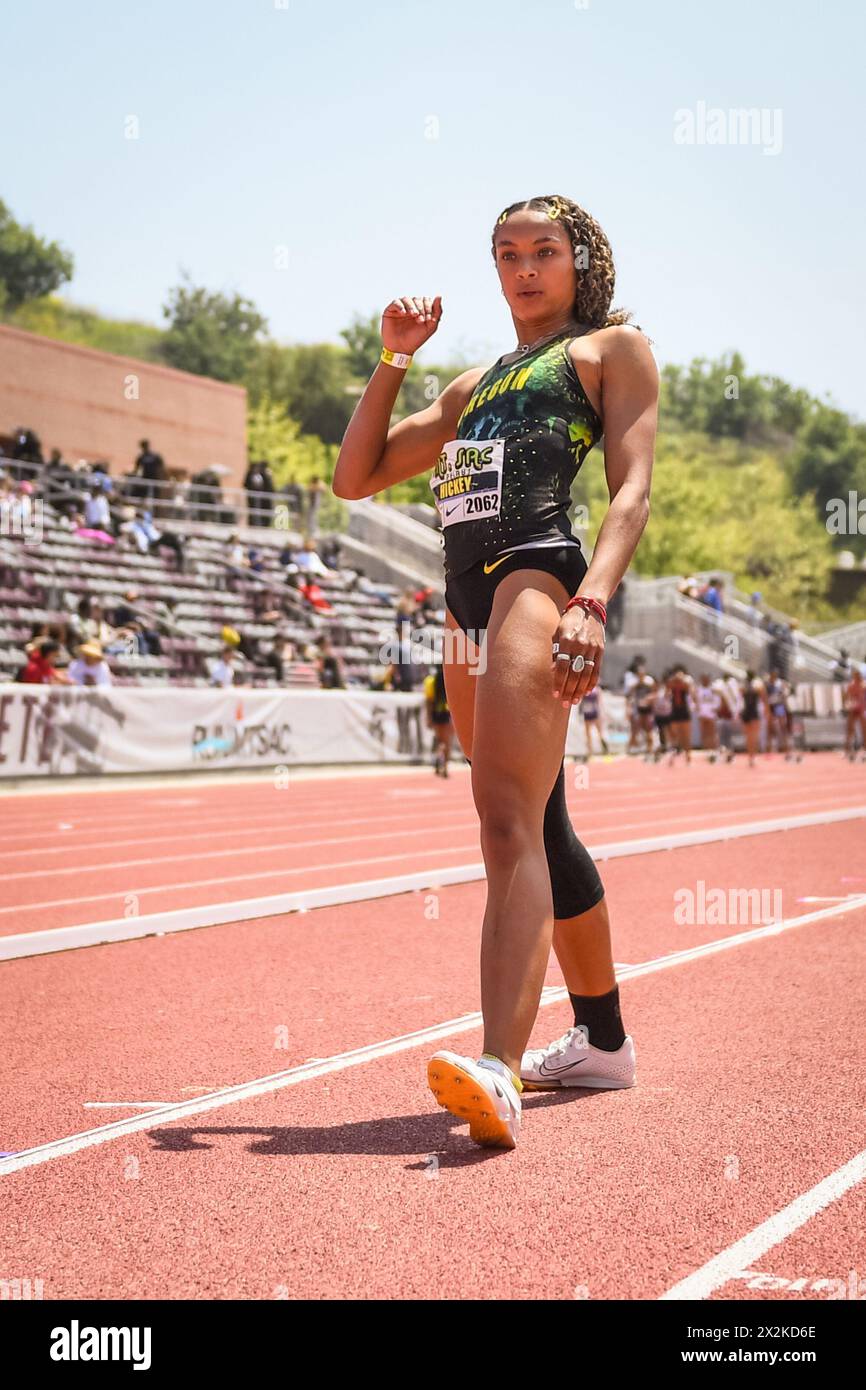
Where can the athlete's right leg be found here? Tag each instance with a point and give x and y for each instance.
(581, 942)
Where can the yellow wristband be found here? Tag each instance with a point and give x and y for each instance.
(396, 359)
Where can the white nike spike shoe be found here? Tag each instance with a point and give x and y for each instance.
(572, 1061)
(481, 1093)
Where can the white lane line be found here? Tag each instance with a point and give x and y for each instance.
(105, 866)
(726, 1265)
(247, 1090)
(20, 944)
(196, 883)
(839, 898)
(127, 1104)
(24, 840)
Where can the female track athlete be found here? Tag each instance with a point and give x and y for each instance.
(505, 443)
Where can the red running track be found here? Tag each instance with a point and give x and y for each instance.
(351, 1182)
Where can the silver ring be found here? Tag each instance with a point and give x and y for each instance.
(590, 663)
(563, 656)
(578, 663)
(555, 648)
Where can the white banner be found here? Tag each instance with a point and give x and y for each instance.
(53, 731)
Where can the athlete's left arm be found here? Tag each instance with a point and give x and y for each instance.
(630, 391)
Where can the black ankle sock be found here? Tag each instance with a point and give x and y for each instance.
(599, 1015)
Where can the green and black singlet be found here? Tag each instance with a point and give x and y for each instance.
(504, 483)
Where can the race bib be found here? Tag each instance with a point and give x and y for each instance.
(467, 480)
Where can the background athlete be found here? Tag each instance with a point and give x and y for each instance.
(519, 430)
(439, 719)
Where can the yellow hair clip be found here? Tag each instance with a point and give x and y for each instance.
(502, 218)
(555, 210)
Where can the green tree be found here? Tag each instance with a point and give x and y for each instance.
(363, 340)
(829, 461)
(30, 267)
(210, 334)
(310, 380)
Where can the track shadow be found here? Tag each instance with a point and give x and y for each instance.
(438, 1134)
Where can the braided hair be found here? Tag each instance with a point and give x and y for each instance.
(593, 258)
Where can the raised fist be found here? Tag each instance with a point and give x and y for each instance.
(409, 321)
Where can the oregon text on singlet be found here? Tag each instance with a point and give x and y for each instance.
(505, 481)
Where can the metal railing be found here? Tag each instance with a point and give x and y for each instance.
(188, 500)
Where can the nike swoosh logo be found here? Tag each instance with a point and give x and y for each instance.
(488, 568)
(449, 510)
(545, 1070)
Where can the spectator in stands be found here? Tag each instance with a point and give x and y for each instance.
(97, 514)
(255, 560)
(40, 668)
(753, 612)
(309, 559)
(406, 610)
(329, 666)
(313, 594)
(779, 649)
(17, 509)
(27, 449)
(425, 608)
(94, 627)
(293, 494)
(689, 588)
(286, 558)
(259, 487)
(854, 704)
(277, 654)
(713, 595)
(89, 666)
(316, 489)
(59, 486)
(126, 619)
(223, 670)
(265, 608)
(842, 669)
(147, 537)
(237, 555)
(150, 469)
(329, 549)
(64, 633)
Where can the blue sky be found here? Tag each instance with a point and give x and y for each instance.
(275, 123)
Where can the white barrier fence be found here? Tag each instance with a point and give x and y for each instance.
(55, 731)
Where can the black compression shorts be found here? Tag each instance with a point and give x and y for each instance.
(470, 595)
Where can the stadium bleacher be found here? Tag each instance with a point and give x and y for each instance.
(44, 576)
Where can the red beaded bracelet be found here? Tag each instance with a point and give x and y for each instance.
(589, 605)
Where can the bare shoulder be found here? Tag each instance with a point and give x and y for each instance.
(458, 393)
(627, 343)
